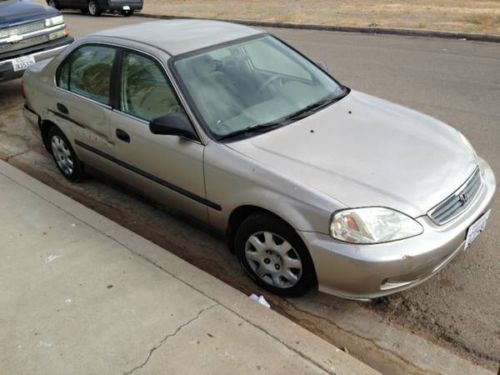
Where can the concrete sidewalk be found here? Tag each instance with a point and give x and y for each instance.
(81, 295)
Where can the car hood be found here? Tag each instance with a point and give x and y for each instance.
(13, 12)
(365, 151)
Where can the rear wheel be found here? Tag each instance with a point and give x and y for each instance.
(94, 8)
(274, 256)
(66, 160)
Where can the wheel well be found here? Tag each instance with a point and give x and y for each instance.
(45, 126)
(239, 215)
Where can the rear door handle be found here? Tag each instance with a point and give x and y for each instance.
(123, 135)
(62, 108)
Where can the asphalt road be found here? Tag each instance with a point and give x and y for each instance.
(455, 81)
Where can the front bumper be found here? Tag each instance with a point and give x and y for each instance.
(364, 272)
(40, 52)
(118, 5)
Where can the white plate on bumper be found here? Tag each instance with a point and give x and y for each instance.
(23, 62)
(126, 7)
(476, 228)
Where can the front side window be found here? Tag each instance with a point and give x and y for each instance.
(87, 72)
(145, 90)
(253, 84)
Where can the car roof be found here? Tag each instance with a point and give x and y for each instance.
(181, 36)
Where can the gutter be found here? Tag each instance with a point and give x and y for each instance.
(349, 29)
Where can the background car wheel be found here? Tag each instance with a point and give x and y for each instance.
(127, 13)
(94, 8)
(53, 4)
(66, 160)
(274, 256)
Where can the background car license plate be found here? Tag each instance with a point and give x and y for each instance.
(23, 62)
(476, 228)
(126, 7)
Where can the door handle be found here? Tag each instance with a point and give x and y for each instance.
(123, 135)
(62, 108)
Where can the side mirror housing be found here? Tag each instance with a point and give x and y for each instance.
(175, 123)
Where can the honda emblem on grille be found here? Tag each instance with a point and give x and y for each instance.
(463, 199)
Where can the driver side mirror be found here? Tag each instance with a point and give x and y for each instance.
(175, 123)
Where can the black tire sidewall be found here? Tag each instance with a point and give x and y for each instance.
(262, 222)
(78, 171)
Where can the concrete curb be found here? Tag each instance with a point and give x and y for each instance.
(281, 330)
(349, 29)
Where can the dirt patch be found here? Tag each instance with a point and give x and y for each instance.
(480, 16)
(418, 319)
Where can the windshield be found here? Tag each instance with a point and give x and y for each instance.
(254, 84)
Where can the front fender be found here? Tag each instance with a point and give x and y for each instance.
(233, 180)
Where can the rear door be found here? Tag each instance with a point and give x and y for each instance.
(83, 103)
(167, 168)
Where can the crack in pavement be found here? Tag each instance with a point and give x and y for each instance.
(180, 279)
(159, 345)
(12, 156)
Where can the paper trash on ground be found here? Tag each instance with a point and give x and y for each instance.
(260, 299)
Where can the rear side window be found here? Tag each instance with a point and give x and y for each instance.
(145, 91)
(87, 72)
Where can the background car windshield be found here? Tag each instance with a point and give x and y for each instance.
(251, 83)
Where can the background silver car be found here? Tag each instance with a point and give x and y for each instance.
(312, 183)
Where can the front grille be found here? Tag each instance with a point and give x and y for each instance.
(22, 29)
(456, 203)
(24, 43)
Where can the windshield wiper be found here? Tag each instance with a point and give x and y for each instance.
(314, 107)
(262, 128)
(304, 112)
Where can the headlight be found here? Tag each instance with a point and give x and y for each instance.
(373, 225)
(57, 20)
(467, 143)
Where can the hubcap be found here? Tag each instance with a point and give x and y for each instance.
(92, 8)
(62, 155)
(273, 259)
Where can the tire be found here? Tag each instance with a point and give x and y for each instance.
(94, 9)
(53, 4)
(274, 256)
(127, 13)
(64, 156)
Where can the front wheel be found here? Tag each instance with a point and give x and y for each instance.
(274, 256)
(65, 157)
(94, 8)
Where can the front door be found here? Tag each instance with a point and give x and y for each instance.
(166, 168)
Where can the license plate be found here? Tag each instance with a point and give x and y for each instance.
(23, 62)
(476, 228)
(126, 7)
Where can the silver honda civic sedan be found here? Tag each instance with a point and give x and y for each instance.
(314, 184)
